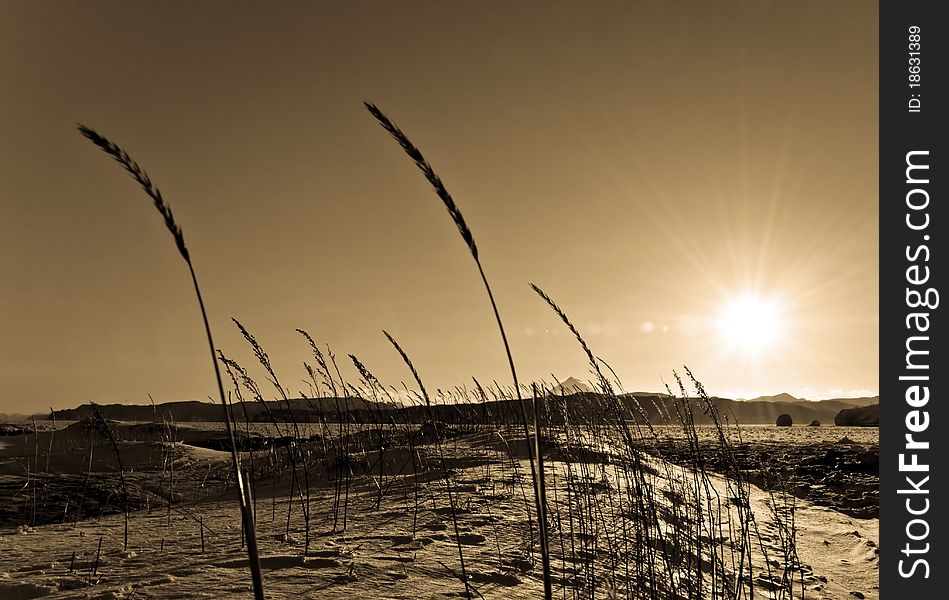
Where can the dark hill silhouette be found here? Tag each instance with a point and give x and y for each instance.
(786, 397)
(746, 411)
(13, 418)
(304, 410)
(659, 409)
(860, 416)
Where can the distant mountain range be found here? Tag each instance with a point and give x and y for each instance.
(785, 397)
(657, 408)
(301, 409)
(762, 410)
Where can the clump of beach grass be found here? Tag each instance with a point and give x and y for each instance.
(624, 522)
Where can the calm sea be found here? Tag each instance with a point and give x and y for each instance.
(797, 434)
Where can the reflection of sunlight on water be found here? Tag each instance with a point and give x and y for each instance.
(798, 434)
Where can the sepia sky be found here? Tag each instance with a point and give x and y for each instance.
(693, 182)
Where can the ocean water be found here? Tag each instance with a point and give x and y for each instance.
(795, 435)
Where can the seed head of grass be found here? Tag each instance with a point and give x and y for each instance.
(408, 362)
(416, 155)
(604, 382)
(122, 157)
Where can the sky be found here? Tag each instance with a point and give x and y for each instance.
(694, 183)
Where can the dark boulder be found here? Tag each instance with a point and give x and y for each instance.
(814, 423)
(433, 429)
(784, 420)
(832, 458)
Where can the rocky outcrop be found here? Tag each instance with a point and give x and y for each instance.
(8, 429)
(784, 420)
(844, 476)
(861, 416)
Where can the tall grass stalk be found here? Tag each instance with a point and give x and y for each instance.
(416, 155)
(438, 445)
(137, 173)
(100, 423)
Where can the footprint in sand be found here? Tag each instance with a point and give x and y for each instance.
(24, 590)
(396, 575)
(416, 544)
(471, 539)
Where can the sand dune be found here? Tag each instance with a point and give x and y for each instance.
(403, 547)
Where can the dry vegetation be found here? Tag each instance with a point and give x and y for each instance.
(516, 491)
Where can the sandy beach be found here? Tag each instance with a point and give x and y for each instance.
(402, 540)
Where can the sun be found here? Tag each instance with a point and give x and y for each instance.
(750, 324)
